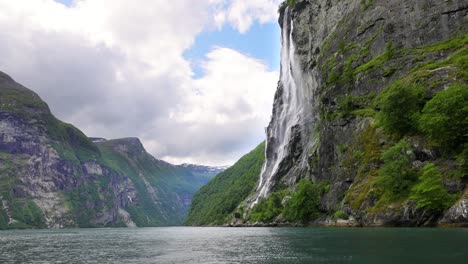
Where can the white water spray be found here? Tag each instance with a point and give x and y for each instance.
(292, 97)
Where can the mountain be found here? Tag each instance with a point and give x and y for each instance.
(201, 170)
(369, 119)
(216, 202)
(53, 176)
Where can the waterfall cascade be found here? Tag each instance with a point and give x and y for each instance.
(292, 97)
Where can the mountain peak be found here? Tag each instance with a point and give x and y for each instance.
(6, 82)
(17, 99)
(129, 145)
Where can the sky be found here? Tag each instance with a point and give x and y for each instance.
(193, 79)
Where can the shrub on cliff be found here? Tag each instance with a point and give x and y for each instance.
(267, 209)
(304, 204)
(430, 192)
(400, 105)
(444, 119)
(396, 174)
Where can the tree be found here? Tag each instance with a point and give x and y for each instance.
(430, 192)
(396, 174)
(304, 204)
(444, 119)
(399, 108)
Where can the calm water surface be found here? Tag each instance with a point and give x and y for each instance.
(235, 245)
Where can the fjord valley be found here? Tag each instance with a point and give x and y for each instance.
(368, 128)
(369, 122)
(54, 176)
(334, 114)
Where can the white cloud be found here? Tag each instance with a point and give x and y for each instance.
(241, 14)
(230, 107)
(114, 68)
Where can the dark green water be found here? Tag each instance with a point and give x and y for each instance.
(235, 245)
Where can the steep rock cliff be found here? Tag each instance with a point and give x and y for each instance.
(338, 57)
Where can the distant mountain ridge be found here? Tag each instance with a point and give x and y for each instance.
(204, 170)
(54, 176)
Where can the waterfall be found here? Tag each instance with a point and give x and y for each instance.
(288, 110)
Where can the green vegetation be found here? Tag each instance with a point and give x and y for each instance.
(327, 42)
(377, 62)
(304, 204)
(333, 76)
(414, 108)
(23, 210)
(118, 162)
(345, 71)
(162, 191)
(215, 202)
(444, 119)
(300, 206)
(90, 199)
(351, 106)
(367, 3)
(28, 213)
(340, 215)
(417, 107)
(430, 192)
(346, 74)
(267, 209)
(159, 187)
(21, 102)
(154, 181)
(399, 106)
(458, 57)
(362, 158)
(291, 2)
(286, 3)
(396, 174)
(70, 142)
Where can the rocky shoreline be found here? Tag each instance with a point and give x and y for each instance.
(457, 216)
(342, 224)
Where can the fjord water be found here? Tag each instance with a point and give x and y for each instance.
(235, 245)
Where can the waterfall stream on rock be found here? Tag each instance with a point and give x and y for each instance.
(287, 112)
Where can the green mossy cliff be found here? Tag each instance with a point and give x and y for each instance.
(53, 176)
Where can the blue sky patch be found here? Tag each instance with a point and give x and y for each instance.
(65, 2)
(262, 42)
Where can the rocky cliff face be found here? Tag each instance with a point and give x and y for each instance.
(337, 58)
(53, 176)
